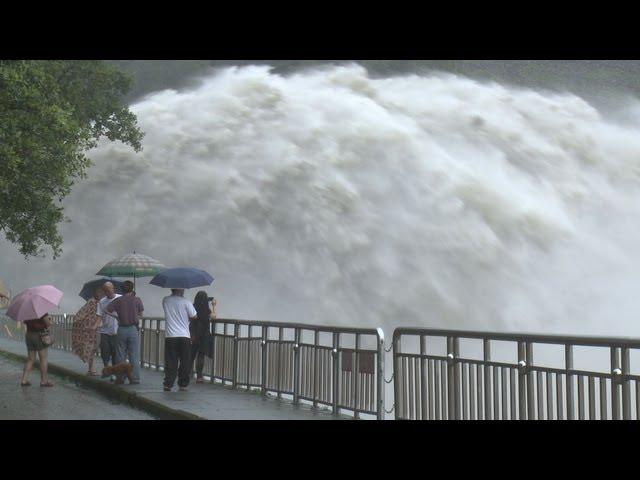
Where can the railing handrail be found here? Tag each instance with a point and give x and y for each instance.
(583, 340)
(303, 326)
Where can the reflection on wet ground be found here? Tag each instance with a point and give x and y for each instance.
(64, 401)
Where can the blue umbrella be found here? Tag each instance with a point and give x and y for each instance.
(182, 278)
(87, 288)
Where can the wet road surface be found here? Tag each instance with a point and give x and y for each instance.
(213, 402)
(64, 401)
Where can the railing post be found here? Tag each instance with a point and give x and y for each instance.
(626, 384)
(263, 370)
(248, 379)
(336, 372)
(456, 377)
(65, 333)
(279, 361)
(568, 365)
(397, 385)
(615, 384)
(234, 372)
(425, 403)
(212, 330)
(380, 377)
(531, 403)
(451, 380)
(69, 326)
(142, 342)
(315, 367)
(356, 378)
(223, 369)
(522, 381)
(488, 414)
(296, 367)
(157, 344)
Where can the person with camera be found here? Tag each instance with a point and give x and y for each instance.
(199, 330)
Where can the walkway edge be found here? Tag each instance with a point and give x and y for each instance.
(114, 392)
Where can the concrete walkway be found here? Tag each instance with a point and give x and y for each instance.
(205, 401)
(65, 401)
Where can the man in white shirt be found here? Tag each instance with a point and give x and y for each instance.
(177, 344)
(108, 328)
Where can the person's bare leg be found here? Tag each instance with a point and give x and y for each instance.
(28, 366)
(44, 364)
(92, 358)
(90, 362)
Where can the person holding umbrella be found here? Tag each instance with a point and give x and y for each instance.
(32, 307)
(84, 331)
(35, 344)
(129, 310)
(178, 313)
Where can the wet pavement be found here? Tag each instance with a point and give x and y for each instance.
(209, 401)
(64, 401)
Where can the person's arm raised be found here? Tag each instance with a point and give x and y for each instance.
(214, 313)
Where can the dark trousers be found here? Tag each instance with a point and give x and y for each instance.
(177, 361)
(108, 348)
(197, 356)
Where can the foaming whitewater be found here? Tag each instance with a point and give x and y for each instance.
(331, 197)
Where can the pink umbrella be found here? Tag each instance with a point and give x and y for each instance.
(34, 303)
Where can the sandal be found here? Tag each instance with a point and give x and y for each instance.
(25, 384)
(48, 384)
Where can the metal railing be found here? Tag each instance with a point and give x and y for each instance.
(434, 378)
(60, 330)
(437, 374)
(340, 368)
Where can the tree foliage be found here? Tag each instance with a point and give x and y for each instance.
(51, 113)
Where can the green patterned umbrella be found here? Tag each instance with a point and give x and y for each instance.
(132, 265)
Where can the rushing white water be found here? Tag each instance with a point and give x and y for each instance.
(327, 196)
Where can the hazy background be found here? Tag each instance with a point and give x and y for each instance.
(598, 77)
(497, 195)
